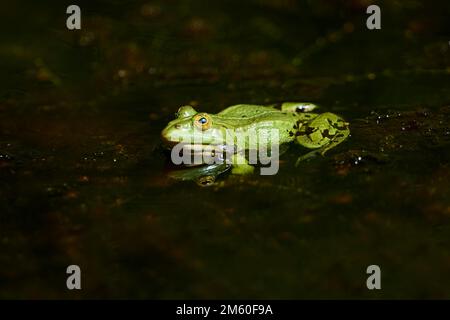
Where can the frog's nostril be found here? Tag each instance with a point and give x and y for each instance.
(177, 126)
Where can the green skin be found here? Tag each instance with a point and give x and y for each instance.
(295, 123)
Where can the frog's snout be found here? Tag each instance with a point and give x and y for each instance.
(165, 135)
(171, 134)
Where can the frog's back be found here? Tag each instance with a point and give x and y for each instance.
(246, 111)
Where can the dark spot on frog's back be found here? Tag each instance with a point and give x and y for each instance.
(326, 134)
(310, 130)
(336, 124)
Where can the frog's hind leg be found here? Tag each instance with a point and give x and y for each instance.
(323, 133)
(298, 107)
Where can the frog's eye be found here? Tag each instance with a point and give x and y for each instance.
(202, 121)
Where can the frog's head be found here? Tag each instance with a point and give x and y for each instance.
(191, 126)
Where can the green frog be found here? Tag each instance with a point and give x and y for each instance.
(293, 122)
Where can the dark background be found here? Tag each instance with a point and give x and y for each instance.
(84, 180)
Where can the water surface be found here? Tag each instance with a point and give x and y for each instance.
(84, 179)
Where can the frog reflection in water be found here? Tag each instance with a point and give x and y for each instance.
(295, 123)
(204, 176)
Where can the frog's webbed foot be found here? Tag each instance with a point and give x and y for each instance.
(325, 132)
(298, 107)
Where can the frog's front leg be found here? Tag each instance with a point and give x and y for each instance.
(298, 107)
(240, 164)
(323, 133)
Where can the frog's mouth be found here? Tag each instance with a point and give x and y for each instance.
(169, 144)
(197, 149)
(195, 146)
(168, 140)
(171, 141)
(193, 155)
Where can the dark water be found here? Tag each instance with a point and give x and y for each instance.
(84, 180)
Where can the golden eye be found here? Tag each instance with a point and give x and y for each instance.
(202, 121)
